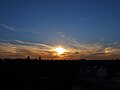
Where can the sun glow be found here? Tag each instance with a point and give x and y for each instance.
(60, 50)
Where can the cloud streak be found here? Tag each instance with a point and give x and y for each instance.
(8, 27)
(74, 51)
(34, 32)
(33, 44)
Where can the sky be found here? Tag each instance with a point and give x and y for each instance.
(85, 28)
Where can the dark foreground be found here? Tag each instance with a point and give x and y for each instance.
(59, 75)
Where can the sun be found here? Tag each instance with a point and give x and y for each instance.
(60, 50)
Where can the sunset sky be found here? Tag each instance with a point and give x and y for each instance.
(87, 29)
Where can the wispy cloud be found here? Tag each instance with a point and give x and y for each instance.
(35, 44)
(61, 34)
(8, 27)
(91, 51)
(66, 38)
(34, 32)
(74, 51)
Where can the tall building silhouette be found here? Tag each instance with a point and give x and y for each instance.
(40, 58)
(28, 58)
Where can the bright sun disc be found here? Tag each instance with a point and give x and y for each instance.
(60, 50)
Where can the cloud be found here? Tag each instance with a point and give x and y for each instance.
(31, 31)
(34, 44)
(61, 34)
(90, 51)
(8, 27)
(67, 39)
(34, 32)
(112, 50)
(74, 50)
(18, 50)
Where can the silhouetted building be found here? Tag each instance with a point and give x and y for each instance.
(28, 58)
(40, 58)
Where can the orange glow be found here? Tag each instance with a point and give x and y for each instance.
(60, 50)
